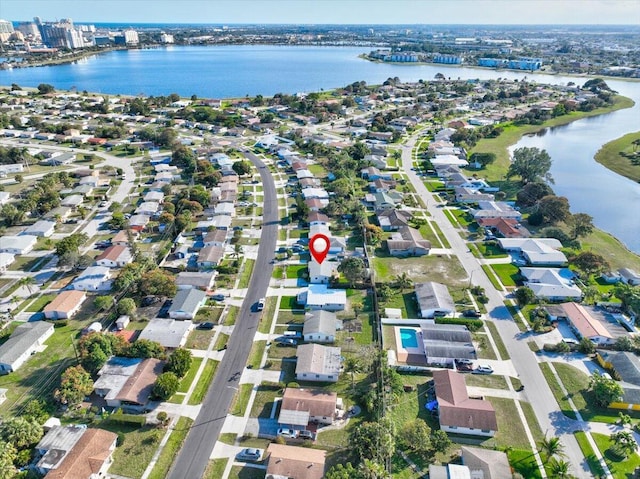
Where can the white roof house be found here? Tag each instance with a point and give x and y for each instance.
(72, 201)
(433, 299)
(25, 340)
(226, 209)
(6, 259)
(322, 273)
(320, 326)
(536, 251)
(495, 209)
(186, 303)
(94, 278)
(147, 208)
(42, 228)
(169, 333)
(4, 197)
(156, 196)
(21, 244)
(550, 283)
(318, 363)
(319, 296)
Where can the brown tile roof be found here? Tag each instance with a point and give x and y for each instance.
(316, 402)
(455, 406)
(120, 237)
(138, 387)
(87, 456)
(66, 301)
(295, 462)
(112, 253)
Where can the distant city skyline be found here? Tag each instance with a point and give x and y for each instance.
(513, 12)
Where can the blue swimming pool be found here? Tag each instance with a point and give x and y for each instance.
(408, 338)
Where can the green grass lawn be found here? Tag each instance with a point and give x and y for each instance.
(511, 431)
(215, 469)
(245, 274)
(199, 339)
(508, 273)
(246, 472)
(489, 249)
(621, 156)
(289, 302)
(265, 397)
(620, 469)
(134, 455)
(524, 462)
(186, 381)
(502, 349)
(295, 271)
(38, 304)
(317, 170)
(611, 249)
(493, 381)
(171, 448)
(221, 342)
(405, 301)
(492, 277)
(562, 399)
(589, 454)
(255, 356)
(241, 400)
(232, 314)
(203, 383)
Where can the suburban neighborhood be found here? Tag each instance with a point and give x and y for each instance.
(155, 265)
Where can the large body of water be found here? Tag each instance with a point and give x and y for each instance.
(236, 71)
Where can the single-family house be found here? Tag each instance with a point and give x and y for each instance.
(94, 278)
(65, 305)
(153, 196)
(226, 209)
(625, 366)
(17, 245)
(127, 383)
(320, 326)
(210, 256)
(138, 222)
(115, 256)
(5, 196)
(433, 299)
(72, 201)
(147, 208)
(292, 462)
(408, 241)
(215, 238)
(393, 219)
(584, 324)
(6, 259)
(495, 209)
(186, 303)
(42, 228)
(477, 463)
(89, 458)
(444, 343)
(200, 280)
(318, 363)
(457, 412)
(319, 296)
(25, 340)
(552, 284)
(316, 218)
(61, 213)
(469, 195)
(169, 333)
(321, 273)
(120, 239)
(55, 445)
(629, 276)
(299, 407)
(505, 227)
(536, 251)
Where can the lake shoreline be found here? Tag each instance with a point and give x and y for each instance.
(610, 154)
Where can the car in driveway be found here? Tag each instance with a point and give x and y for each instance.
(471, 313)
(284, 341)
(307, 435)
(464, 365)
(287, 433)
(483, 369)
(206, 325)
(249, 455)
(218, 297)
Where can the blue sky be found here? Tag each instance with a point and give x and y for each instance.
(329, 11)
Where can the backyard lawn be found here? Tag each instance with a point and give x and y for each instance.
(508, 273)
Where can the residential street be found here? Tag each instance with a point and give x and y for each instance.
(198, 446)
(551, 420)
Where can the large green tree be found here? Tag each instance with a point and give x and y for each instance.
(353, 269)
(530, 164)
(126, 306)
(158, 282)
(590, 262)
(605, 390)
(179, 362)
(554, 209)
(75, 384)
(374, 440)
(524, 295)
(581, 224)
(8, 455)
(166, 386)
(71, 243)
(242, 167)
(21, 432)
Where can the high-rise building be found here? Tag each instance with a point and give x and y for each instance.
(130, 37)
(6, 27)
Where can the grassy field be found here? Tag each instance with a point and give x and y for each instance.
(511, 431)
(488, 250)
(39, 304)
(426, 268)
(492, 277)
(611, 249)
(263, 402)
(620, 469)
(622, 156)
(203, 383)
(134, 455)
(232, 314)
(199, 339)
(171, 448)
(507, 272)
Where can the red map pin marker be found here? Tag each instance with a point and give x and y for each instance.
(319, 247)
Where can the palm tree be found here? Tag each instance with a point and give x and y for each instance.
(237, 250)
(352, 366)
(624, 443)
(551, 447)
(402, 281)
(559, 468)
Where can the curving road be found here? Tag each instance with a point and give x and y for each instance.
(198, 446)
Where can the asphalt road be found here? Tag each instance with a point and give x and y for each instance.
(551, 420)
(198, 446)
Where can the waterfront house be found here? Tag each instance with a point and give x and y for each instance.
(535, 251)
(629, 276)
(551, 284)
(318, 363)
(457, 412)
(26, 339)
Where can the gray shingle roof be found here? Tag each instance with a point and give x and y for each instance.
(22, 339)
(187, 300)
